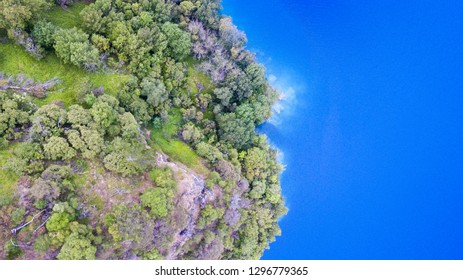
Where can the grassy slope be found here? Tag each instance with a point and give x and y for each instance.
(7, 181)
(164, 139)
(66, 18)
(15, 60)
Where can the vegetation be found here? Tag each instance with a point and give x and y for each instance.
(127, 130)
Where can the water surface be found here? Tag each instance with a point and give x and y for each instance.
(372, 127)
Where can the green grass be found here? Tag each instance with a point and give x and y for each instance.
(196, 76)
(15, 60)
(179, 151)
(165, 139)
(172, 127)
(7, 180)
(66, 18)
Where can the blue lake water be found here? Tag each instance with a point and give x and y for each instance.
(371, 130)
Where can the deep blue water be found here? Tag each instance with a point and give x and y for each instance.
(372, 136)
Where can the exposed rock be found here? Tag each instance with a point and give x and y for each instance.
(192, 195)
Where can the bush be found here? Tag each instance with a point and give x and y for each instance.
(42, 243)
(73, 47)
(57, 148)
(44, 33)
(163, 178)
(159, 200)
(78, 245)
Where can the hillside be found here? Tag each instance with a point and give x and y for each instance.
(127, 131)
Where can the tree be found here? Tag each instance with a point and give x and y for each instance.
(163, 178)
(256, 75)
(130, 223)
(42, 243)
(78, 245)
(159, 200)
(155, 91)
(191, 134)
(174, 74)
(230, 34)
(130, 128)
(239, 84)
(14, 113)
(93, 19)
(100, 42)
(179, 41)
(209, 215)
(15, 165)
(57, 148)
(227, 170)
(211, 153)
(187, 7)
(48, 121)
(123, 158)
(59, 221)
(104, 111)
(79, 116)
(256, 164)
(207, 11)
(73, 47)
(224, 95)
(43, 34)
(237, 128)
(88, 141)
(15, 14)
(54, 181)
(152, 255)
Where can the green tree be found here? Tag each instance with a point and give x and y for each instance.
(191, 134)
(152, 255)
(48, 121)
(79, 116)
(256, 164)
(14, 113)
(224, 95)
(130, 223)
(209, 215)
(87, 141)
(59, 221)
(130, 128)
(57, 148)
(256, 74)
(237, 128)
(100, 42)
(104, 111)
(94, 143)
(92, 18)
(124, 158)
(42, 243)
(78, 245)
(54, 181)
(15, 14)
(179, 41)
(155, 91)
(208, 151)
(159, 200)
(187, 7)
(72, 46)
(163, 178)
(43, 33)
